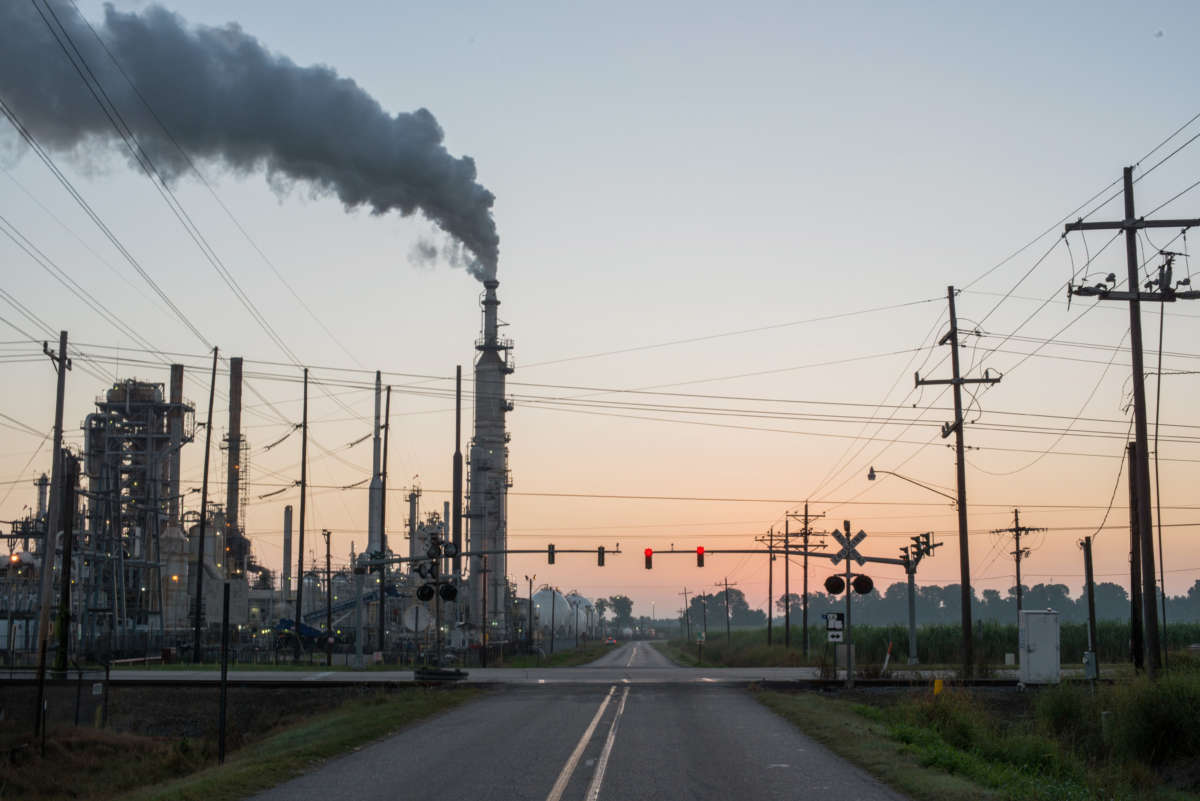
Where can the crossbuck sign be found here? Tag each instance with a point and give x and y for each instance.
(848, 550)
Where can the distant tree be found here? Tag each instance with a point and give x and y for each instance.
(622, 606)
(1112, 602)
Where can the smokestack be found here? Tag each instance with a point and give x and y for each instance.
(287, 553)
(456, 482)
(415, 548)
(375, 494)
(43, 489)
(489, 468)
(219, 95)
(233, 470)
(175, 429)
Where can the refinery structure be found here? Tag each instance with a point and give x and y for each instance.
(147, 571)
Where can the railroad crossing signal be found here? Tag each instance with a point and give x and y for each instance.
(848, 550)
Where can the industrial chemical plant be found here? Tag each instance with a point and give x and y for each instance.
(147, 568)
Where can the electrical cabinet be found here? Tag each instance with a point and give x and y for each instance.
(1041, 656)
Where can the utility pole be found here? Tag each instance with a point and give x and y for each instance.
(1166, 293)
(787, 583)
(387, 436)
(728, 633)
(530, 579)
(328, 601)
(1136, 645)
(769, 539)
(1018, 552)
(957, 382)
(70, 478)
(53, 515)
(771, 587)
(1093, 646)
(805, 534)
(849, 636)
(303, 499)
(197, 656)
(687, 613)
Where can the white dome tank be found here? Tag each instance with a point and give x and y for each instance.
(543, 600)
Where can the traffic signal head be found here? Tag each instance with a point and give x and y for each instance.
(550, 553)
(699, 556)
(835, 584)
(862, 584)
(600, 556)
(649, 558)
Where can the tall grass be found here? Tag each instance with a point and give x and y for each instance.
(938, 644)
(1151, 723)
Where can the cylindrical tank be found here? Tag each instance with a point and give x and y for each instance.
(549, 604)
(584, 613)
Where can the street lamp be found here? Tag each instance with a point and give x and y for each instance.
(872, 473)
(530, 580)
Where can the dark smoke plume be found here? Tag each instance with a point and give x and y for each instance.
(225, 98)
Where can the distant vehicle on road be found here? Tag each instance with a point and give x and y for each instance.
(610, 641)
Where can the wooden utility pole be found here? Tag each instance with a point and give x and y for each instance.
(956, 382)
(328, 601)
(1018, 552)
(771, 587)
(728, 631)
(805, 534)
(53, 515)
(770, 540)
(787, 583)
(197, 656)
(1093, 645)
(1166, 293)
(303, 500)
(687, 613)
(1136, 645)
(387, 435)
(70, 478)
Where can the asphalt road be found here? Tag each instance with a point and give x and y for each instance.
(636, 662)
(615, 741)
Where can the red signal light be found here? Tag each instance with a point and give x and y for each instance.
(649, 558)
(699, 556)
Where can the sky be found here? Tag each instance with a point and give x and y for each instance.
(753, 212)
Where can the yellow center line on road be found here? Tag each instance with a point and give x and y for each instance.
(564, 775)
(593, 792)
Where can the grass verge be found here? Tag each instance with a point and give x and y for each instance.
(102, 765)
(1132, 741)
(839, 726)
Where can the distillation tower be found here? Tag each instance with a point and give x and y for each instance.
(488, 475)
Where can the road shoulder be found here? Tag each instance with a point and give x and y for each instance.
(865, 743)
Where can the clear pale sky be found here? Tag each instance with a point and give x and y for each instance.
(672, 173)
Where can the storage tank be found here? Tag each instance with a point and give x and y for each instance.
(543, 601)
(584, 616)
